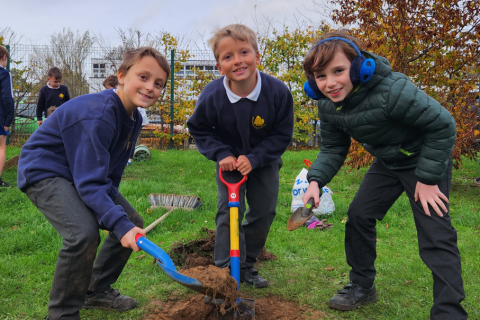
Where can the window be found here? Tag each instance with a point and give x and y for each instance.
(99, 70)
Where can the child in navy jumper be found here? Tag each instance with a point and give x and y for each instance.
(54, 94)
(244, 122)
(71, 168)
(7, 109)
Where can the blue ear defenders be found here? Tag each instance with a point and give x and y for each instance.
(361, 71)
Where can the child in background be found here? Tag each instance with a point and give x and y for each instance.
(71, 168)
(111, 82)
(243, 121)
(412, 137)
(7, 109)
(52, 94)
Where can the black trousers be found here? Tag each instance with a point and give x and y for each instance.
(261, 189)
(77, 268)
(437, 239)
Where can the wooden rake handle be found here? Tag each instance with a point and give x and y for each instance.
(154, 223)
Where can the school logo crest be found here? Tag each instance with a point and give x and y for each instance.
(258, 122)
(61, 95)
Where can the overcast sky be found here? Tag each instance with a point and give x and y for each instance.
(37, 20)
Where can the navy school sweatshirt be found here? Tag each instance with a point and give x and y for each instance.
(7, 104)
(49, 97)
(87, 141)
(261, 130)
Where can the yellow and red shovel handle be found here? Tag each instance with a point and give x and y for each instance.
(234, 204)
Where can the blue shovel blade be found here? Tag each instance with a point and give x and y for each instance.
(164, 262)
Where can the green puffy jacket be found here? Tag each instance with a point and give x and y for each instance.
(394, 120)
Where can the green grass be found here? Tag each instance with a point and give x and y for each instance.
(30, 244)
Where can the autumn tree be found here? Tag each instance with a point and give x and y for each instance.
(434, 42)
(282, 54)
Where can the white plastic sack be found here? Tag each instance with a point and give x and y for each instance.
(300, 185)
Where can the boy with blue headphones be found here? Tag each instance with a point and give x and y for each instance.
(412, 137)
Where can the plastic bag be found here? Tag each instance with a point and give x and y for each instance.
(300, 185)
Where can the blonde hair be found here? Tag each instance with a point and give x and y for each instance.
(236, 31)
(132, 56)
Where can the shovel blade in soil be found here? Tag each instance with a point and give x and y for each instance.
(165, 262)
(243, 310)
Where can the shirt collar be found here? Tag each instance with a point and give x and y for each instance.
(252, 96)
(51, 87)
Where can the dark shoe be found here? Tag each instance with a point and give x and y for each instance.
(110, 299)
(352, 296)
(4, 184)
(250, 277)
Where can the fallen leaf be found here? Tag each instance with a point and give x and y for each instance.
(387, 225)
(410, 281)
(105, 231)
(178, 222)
(343, 275)
(139, 199)
(32, 232)
(392, 244)
(140, 257)
(328, 269)
(13, 227)
(161, 242)
(291, 280)
(148, 210)
(201, 171)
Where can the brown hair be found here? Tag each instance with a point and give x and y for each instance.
(55, 72)
(111, 80)
(236, 31)
(132, 56)
(50, 110)
(3, 52)
(321, 55)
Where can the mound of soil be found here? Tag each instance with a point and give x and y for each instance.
(267, 308)
(199, 252)
(217, 281)
(12, 163)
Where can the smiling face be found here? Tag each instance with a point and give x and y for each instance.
(334, 80)
(142, 84)
(237, 60)
(54, 82)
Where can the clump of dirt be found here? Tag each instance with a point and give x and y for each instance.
(199, 252)
(12, 163)
(218, 282)
(267, 308)
(194, 253)
(265, 256)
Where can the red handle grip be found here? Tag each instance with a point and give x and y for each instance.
(233, 188)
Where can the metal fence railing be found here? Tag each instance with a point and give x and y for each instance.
(84, 70)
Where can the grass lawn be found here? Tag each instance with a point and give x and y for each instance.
(311, 264)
